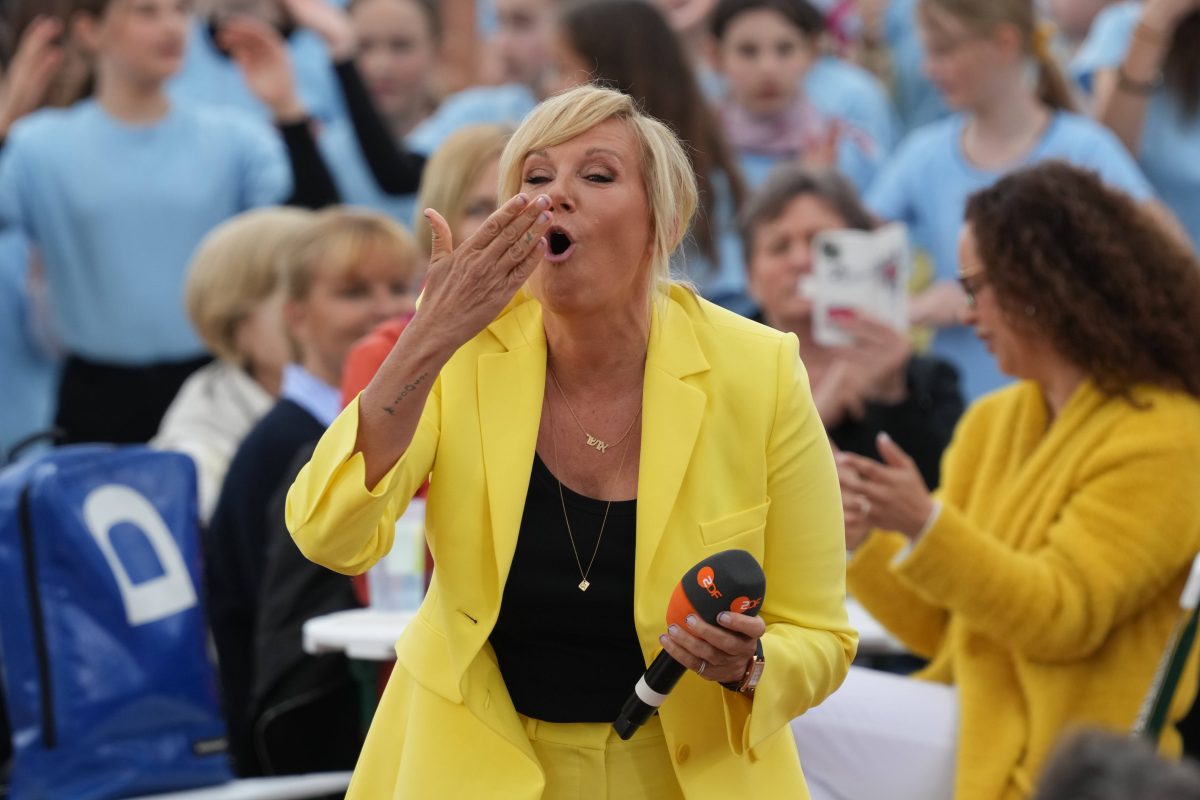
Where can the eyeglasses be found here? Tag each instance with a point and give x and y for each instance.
(971, 284)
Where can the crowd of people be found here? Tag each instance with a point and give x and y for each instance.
(216, 219)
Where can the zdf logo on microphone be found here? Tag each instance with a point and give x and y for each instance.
(708, 581)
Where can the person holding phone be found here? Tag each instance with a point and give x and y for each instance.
(873, 385)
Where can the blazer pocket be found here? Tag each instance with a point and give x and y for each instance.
(747, 521)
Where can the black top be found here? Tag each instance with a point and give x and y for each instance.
(568, 655)
(396, 171)
(922, 423)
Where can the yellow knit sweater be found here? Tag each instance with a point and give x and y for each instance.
(1048, 586)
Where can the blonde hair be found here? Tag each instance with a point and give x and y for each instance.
(235, 268)
(666, 171)
(339, 238)
(451, 173)
(983, 17)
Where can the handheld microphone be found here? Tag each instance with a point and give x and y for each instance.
(732, 581)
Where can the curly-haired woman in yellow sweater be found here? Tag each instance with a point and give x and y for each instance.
(1042, 579)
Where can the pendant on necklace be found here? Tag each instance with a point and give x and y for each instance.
(583, 585)
(600, 447)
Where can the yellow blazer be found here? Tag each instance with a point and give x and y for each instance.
(733, 455)
(1048, 586)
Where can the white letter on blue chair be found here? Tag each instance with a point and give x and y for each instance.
(157, 598)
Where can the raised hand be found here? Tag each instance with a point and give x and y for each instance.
(882, 352)
(891, 495)
(468, 285)
(329, 22)
(38, 58)
(262, 57)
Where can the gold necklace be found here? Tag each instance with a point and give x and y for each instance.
(592, 441)
(583, 573)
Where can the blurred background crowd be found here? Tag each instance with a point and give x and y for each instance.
(210, 227)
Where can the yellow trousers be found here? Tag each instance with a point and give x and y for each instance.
(588, 761)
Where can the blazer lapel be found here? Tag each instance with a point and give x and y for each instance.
(672, 410)
(511, 385)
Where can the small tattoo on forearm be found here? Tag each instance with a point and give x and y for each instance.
(409, 388)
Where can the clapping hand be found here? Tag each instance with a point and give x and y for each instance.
(262, 57)
(329, 22)
(891, 495)
(38, 58)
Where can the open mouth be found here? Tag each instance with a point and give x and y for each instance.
(560, 245)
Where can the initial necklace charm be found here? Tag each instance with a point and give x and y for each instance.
(583, 585)
(600, 447)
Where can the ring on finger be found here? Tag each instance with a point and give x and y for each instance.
(703, 666)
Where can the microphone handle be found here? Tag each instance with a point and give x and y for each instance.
(649, 693)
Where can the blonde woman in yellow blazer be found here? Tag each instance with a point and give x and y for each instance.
(558, 318)
(1043, 579)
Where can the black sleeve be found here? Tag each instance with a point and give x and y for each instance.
(312, 184)
(923, 424)
(396, 170)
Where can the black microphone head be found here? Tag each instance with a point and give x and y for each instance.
(730, 580)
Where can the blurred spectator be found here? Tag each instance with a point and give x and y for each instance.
(627, 45)
(288, 712)
(233, 300)
(117, 190)
(980, 55)
(875, 384)
(522, 48)
(209, 76)
(1043, 580)
(1142, 64)
(460, 183)
(1097, 765)
(765, 50)
(396, 42)
(1074, 19)
(28, 366)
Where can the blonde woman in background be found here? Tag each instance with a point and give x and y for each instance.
(347, 272)
(233, 300)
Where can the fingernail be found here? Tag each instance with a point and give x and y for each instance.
(426, 214)
(543, 201)
(724, 617)
(522, 198)
(542, 243)
(543, 218)
(691, 620)
(673, 629)
(883, 437)
(662, 639)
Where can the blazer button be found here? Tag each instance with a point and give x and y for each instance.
(683, 753)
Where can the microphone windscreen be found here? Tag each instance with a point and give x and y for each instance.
(730, 580)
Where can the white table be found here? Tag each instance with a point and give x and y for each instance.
(367, 634)
(370, 634)
(290, 787)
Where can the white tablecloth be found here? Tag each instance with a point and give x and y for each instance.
(291, 787)
(370, 634)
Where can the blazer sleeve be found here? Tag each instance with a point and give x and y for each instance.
(1128, 530)
(339, 522)
(808, 644)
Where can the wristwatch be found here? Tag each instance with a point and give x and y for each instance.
(754, 670)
